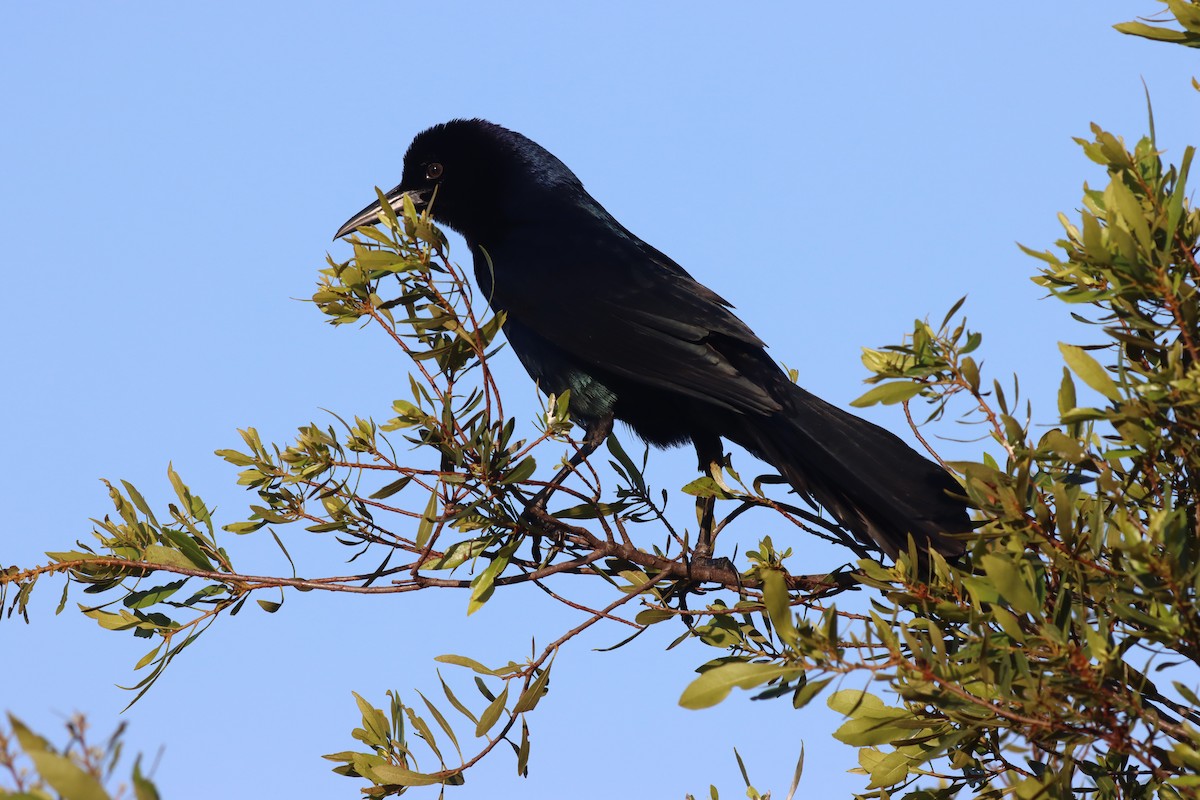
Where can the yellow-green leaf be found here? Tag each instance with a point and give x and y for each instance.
(888, 394)
(715, 684)
(1089, 371)
(778, 603)
(399, 776)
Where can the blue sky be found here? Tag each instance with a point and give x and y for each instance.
(172, 177)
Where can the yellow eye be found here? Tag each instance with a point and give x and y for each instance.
(433, 171)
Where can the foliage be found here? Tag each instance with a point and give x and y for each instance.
(34, 769)
(1184, 12)
(1059, 657)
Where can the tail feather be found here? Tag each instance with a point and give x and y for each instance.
(868, 478)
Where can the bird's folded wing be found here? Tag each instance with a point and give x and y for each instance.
(638, 315)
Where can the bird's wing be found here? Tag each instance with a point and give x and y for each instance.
(618, 304)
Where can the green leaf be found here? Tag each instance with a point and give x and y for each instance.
(1008, 579)
(777, 599)
(799, 771)
(383, 261)
(242, 528)
(632, 471)
(1066, 393)
(442, 723)
(149, 597)
(1131, 212)
(706, 487)
(953, 309)
(30, 742)
(454, 701)
(70, 555)
(143, 788)
(399, 776)
(590, 510)
(970, 371)
(463, 661)
(188, 547)
(1176, 202)
(65, 777)
(181, 490)
(423, 730)
(521, 471)
(889, 394)
(852, 702)
(374, 722)
(1009, 623)
(485, 582)
(157, 554)
(428, 517)
(109, 621)
(235, 458)
(652, 616)
(523, 750)
(391, 488)
(491, 714)
(885, 769)
(868, 731)
(1186, 693)
(715, 684)
(1160, 34)
(136, 498)
(68, 779)
(456, 554)
(1068, 448)
(146, 659)
(533, 695)
(1089, 371)
(808, 691)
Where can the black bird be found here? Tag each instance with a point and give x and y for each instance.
(594, 309)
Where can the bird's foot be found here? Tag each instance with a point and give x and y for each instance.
(529, 520)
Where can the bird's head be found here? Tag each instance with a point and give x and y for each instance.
(477, 178)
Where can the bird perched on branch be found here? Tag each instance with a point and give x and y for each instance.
(592, 308)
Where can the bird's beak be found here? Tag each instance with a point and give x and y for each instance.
(371, 214)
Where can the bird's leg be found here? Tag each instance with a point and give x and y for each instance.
(595, 432)
(710, 457)
(705, 508)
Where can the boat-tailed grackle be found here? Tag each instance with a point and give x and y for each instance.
(592, 308)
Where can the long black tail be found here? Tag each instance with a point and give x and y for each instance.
(872, 482)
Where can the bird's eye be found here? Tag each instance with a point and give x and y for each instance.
(433, 171)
